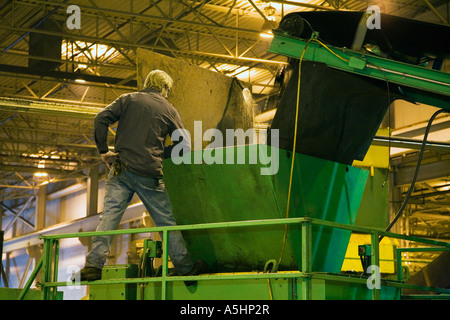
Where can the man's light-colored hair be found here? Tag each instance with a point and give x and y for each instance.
(158, 79)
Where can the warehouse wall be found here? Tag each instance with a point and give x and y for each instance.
(72, 252)
(59, 210)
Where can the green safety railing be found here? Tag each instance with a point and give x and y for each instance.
(399, 252)
(49, 260)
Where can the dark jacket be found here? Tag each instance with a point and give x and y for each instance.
(145, 119)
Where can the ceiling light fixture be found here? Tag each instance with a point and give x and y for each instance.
(40, 174)
(266, 30)
(269, 22)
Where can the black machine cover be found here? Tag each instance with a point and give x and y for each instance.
(339, 112)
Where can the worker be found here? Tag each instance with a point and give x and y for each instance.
(144, 118)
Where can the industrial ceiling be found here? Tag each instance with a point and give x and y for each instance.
(46, 109)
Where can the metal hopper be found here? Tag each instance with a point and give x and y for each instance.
(206, 193)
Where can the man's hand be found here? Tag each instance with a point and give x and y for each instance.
(109, 157)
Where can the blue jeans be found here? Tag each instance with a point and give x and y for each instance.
(119, 191)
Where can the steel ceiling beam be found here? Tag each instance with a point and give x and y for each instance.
(414, 144)
(53, 109)
(66, 75)
(187, 53)
(141, 18)
(167, 21)
(36, 130)
(428, 171)
(8, 168)
(26, 55)
(17, 214)
(433, 9)
(36, 78)
(302, 4)
(50, 143)
(36, 25)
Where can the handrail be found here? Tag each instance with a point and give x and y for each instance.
(212, 225)
(248, 223)
(51, 242)
(399, 252)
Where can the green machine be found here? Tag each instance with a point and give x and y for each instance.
(320, 189)
(315, 188)
(221, 193)
(235, 219)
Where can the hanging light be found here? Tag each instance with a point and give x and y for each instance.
(266, 30)
(40, 174)
(269, 23)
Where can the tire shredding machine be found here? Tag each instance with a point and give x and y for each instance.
(285, 235)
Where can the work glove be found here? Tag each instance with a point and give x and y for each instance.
(109, 158)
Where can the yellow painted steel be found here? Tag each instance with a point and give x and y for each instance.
(387, 254)
(377, 156)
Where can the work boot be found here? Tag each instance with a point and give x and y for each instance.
(198, 268)
(87, 274)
